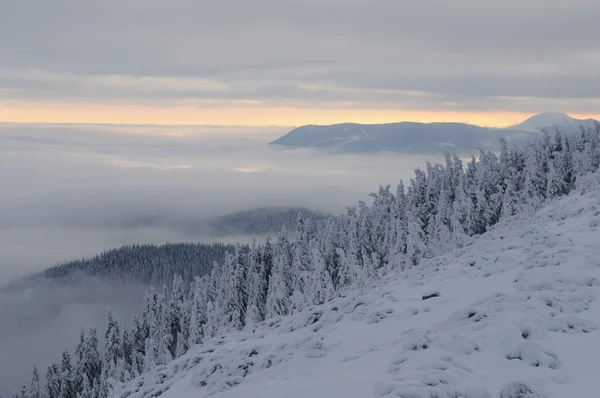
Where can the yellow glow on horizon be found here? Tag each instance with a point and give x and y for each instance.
(243, 115)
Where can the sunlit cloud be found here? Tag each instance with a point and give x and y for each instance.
(254, 169)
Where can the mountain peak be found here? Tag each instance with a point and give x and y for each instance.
(550, 116)
(545, 120)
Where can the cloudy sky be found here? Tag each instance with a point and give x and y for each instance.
(279, 62)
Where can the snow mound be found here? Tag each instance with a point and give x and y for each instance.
(515, 316)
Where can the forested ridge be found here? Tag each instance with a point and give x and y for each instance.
(145, 263)
(438, 210)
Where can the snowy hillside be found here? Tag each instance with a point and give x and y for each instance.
(516, 316)
(444, 207)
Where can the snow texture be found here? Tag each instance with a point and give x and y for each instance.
(516, 317)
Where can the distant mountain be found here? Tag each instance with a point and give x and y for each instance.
(406, 137)
(263, 220)
(551, 120)
(423, 138)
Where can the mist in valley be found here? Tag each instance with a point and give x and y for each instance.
(72, 191)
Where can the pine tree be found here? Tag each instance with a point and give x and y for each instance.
(400, 223)
(35, 390)
(266, 261)
(104, 386)
(53, 381)
(140, 332)
(331, 244)
(176, 316)
(23, 393)
(256, 281)
(301, 265)
(554, 185)
(150, 359)
(510, 204)
(112, 348)
(181, 346)
(92, 363)
(80, 361)
(126, 353)
(156, 315)
(416, 246)
(87, 390)
(535, 178)
(278, 302)
(214, 319)
(441, 239)
(238, 299)
(347, 275)
(471, 189)
(321, 287)
(198, 316)
(67, 387)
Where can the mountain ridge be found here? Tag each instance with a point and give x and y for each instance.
(420, 138)
(406, 137)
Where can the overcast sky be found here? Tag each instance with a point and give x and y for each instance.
(283, 62)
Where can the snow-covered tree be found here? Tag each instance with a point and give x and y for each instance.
(112, 348)
(321, 286)
(198, 315)
(67, 387)
(53, 381)
(35, 391)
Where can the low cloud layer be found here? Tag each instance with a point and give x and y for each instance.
(462, 55)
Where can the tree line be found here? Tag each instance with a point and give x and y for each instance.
(144, 263)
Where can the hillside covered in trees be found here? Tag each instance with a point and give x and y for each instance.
(151, 264)
(441, 208)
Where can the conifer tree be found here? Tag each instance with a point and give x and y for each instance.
(255, 282)
(198, 316)
(67, 387)
(53, 381)
(35, 390)
(278, 298)
(112, 348)
(176, 315)
(321, 287)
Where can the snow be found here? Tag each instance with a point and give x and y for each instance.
(516, 316)
(549, 120)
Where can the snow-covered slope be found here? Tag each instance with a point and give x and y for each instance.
(550, 120)
(516, 316)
